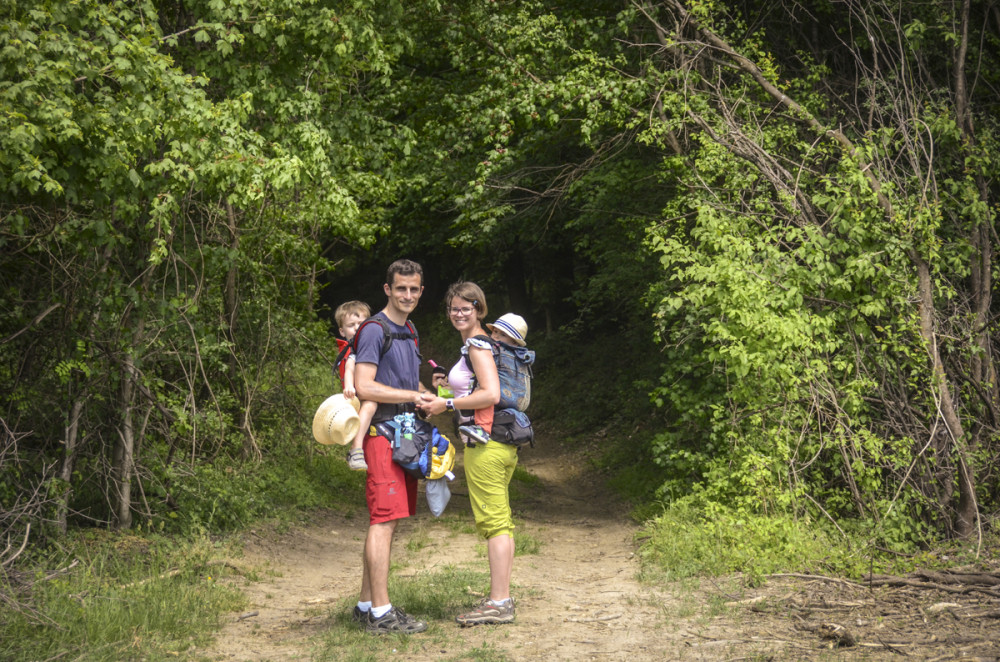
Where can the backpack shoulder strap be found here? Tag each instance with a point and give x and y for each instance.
(348, 348)
(388, 335)
(493, 347)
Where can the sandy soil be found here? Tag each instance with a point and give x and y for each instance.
(580, 598)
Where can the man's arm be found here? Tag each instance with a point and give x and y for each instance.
(369, 389)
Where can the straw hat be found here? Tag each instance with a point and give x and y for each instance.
(513, 325)
(336, 421)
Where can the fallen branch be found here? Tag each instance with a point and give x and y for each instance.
(7, 560)
(176, 571)
(915, 583)
(595, 619)
(824, 578)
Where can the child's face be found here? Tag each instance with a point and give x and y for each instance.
(351, 325)
(500, 336)
(439, 379)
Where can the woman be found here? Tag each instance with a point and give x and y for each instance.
(489, 465)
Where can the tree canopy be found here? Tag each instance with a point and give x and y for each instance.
(782, 215)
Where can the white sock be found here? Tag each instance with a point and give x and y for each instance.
(365, 606)
(499, 603)
(379, 612)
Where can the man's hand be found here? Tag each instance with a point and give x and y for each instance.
(435, 406)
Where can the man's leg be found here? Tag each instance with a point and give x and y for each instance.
(378, 548)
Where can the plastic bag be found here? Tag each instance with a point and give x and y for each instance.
(438, 495)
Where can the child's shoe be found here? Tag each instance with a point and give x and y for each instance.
(356, 460)
(474, 432)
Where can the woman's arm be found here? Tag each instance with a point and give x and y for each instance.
(487, 391)
(369, 389)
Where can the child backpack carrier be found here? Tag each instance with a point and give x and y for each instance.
(514, 368)
(510, 424)
(388, 336)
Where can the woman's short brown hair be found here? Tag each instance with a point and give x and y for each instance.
(471, 293)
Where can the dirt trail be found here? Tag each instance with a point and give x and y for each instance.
(576, 599)
(579, 597)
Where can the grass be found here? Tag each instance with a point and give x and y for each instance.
(525, 543)
(154, 593)
(126, 598)
(435, 597)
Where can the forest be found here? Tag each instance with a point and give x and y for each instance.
(753, 241)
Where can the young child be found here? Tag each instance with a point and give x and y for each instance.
(349, 317)
(510, 329)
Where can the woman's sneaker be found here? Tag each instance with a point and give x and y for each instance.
(356, 460)
(487, 612)
(474, 432)
(394, 621)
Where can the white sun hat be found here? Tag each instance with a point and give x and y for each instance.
(336, 421)
(513, 325)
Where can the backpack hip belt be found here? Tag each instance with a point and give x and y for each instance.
(387, 411)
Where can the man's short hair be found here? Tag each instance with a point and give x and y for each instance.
(403, 268)
(351, 308)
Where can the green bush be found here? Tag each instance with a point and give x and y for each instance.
(691, 539)
(225, 496)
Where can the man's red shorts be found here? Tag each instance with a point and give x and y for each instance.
(391, 492)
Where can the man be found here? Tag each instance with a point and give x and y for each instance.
(392, 379)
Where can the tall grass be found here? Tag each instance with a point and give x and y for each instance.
(127, 597)
(154, 593)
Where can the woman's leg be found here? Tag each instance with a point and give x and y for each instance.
(500, 552)
(488, 470)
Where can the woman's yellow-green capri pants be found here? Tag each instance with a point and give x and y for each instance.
(488, 470)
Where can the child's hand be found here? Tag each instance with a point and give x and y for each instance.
(349, 393)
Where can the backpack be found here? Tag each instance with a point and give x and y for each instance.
(514, 369)
(417, 446)
(387, 337)
(510, 424)
(513, 427)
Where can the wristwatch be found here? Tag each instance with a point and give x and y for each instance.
(449, 404)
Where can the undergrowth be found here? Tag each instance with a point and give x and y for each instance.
(582, 397)
(154, 592)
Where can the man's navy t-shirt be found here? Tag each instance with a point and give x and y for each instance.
(400, 367)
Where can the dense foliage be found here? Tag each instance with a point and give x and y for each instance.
(778, 219)
(170, 177)
(804, 197)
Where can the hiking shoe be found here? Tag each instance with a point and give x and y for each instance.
(474, 432)
(356, 460)
(395, 621)
(486, 612)
(359, 617)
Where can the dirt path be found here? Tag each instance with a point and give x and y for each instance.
(578, 597)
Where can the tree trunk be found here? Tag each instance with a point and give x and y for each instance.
(967, 512)
(68, 463)
(231, 312)
(125, 449)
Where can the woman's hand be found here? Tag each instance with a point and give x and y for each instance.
(435, 406)
(349, 392)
